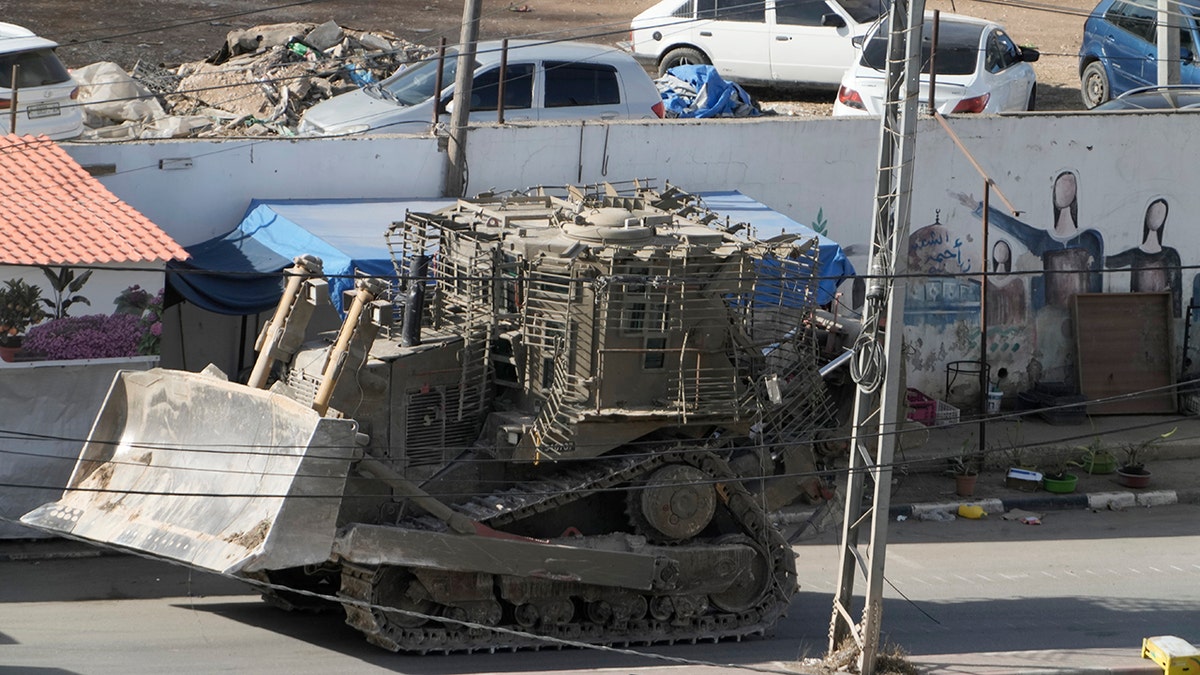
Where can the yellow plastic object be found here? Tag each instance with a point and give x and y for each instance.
(972, 511)
(1176, 655)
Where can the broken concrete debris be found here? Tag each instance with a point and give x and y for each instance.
(258, 84)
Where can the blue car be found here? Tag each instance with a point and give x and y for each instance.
(1119, 49)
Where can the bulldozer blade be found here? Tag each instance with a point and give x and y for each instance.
(214, 474)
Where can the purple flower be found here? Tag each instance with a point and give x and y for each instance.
(86, 337)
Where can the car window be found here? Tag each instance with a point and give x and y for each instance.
(518, 88)
(732, 10)
(958, 48)
(570, 84)
(39, 67)
(863, 11)
(417, 82)
(1132, 18)
(1002, 52)
(686, 10)
(800, 12)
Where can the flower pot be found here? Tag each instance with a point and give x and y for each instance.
(1064, 484)
(964, 484)
(1134, 477)
(1097, 463)
(9, 353)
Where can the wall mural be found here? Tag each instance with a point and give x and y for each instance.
(1036, 264)
(941, 300)
(1152, 266)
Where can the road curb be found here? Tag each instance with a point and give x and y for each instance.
(1095, 500)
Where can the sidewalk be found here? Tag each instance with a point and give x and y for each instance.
(922, 485)
(920, 478)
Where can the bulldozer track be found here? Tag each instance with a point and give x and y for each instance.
(441, 634)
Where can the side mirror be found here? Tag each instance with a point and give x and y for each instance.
(448, 106)
(1029, 55)
(833, 20)
(858, 40)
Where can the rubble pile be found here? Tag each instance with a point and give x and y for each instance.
(258, 84)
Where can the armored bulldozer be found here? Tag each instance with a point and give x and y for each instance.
(566, 418)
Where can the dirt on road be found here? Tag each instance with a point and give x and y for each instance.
(171, 32)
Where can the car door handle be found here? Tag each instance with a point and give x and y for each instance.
(608, 116)
(706, 33)
(783, 38)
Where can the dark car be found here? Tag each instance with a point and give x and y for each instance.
(1158, 98)
(1119, 50)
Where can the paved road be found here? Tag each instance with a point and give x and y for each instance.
(1080, 581)
(1079, 584)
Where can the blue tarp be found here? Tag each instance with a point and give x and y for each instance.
(699, 92)
(238, 273)
(832, 265)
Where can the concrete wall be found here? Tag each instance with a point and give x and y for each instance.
(817, 171)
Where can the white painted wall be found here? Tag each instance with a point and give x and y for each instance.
(810, 169)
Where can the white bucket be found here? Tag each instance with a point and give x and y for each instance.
(993, 402)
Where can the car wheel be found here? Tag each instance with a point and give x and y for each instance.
(1032, 98)
(1093, 86)
(681, 56)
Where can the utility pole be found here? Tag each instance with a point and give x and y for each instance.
(1167, 34)
(456, 150)
(876, 364)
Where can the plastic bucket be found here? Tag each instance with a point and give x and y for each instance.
(993, 402)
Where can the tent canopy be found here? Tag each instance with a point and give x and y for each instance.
(238, 273)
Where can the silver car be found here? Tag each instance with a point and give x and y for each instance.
(543, 81)
(46, 93)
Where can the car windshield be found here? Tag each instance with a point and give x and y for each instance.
(38, 68)
(863, 11)
(958, 48)
(416, 83)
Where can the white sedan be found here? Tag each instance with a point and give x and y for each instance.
(979, 70)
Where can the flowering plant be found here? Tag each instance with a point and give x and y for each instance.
(135, 301)
(96, 336)
(20, 307)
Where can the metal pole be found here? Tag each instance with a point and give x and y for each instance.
(12, 119)
(984, 370)
(1167, 38)
(438, 85)
(503, 77)
(878, 364)
(456, 150)
(933, 46)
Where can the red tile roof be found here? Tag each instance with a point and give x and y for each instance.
(52, 212)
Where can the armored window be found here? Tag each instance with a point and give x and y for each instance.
(547, 372)
(644, 307)
(656, 355)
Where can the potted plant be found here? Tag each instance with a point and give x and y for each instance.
(965, 470)
(1096, 460)
(20, 307)
(1057, 479)
(1133, 472)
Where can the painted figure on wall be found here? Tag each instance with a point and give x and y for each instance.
(1006, 294)
(1071, 257)
(1152, 266)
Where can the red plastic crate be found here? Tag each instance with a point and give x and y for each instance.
(921, 408)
